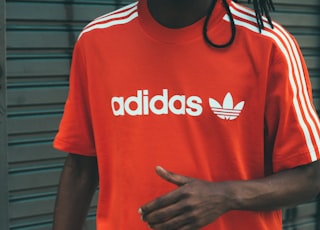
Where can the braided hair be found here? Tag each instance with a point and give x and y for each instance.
(261, 7)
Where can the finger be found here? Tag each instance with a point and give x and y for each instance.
(160, 203)
(171, 177)
(169, 198)
(182, 221)
(167, 213)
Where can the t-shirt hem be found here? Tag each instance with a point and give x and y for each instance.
(294, 161)
(72, 148)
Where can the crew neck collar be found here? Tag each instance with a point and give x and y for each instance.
(179, 35)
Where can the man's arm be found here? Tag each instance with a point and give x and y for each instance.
(78, 183)
(196, 203)
(283, 189)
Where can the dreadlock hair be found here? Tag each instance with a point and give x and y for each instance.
(261, 7)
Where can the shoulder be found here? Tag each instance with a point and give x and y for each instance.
(275, 34)
(118, 17)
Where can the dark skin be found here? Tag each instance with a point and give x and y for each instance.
(178, 13)
(78, 183)
(194, 203)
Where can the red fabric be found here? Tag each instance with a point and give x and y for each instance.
(140, 97)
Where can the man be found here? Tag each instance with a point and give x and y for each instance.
(217, 103)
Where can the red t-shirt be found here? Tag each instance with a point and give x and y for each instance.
(143, 95)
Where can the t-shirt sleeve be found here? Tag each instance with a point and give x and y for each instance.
(292, 124)
(75, 134)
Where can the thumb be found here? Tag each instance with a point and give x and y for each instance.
(171, 177)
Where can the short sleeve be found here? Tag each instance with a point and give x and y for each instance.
(75, 134)
(291, 122)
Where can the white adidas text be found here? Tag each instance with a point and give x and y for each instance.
(142, 104)
(163, 104)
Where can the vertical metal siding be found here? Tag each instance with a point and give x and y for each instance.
(40, 37)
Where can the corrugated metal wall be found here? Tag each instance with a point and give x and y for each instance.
(40, 37)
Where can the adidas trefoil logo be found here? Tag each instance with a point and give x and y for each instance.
(226, 111)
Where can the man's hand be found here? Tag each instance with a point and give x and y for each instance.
(194, 204)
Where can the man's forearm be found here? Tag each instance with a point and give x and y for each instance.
(78, 182)
(282, 189)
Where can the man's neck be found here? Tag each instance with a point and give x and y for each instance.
(178, 13)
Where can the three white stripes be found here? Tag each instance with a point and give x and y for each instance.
(291, 53)
(127, 14)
